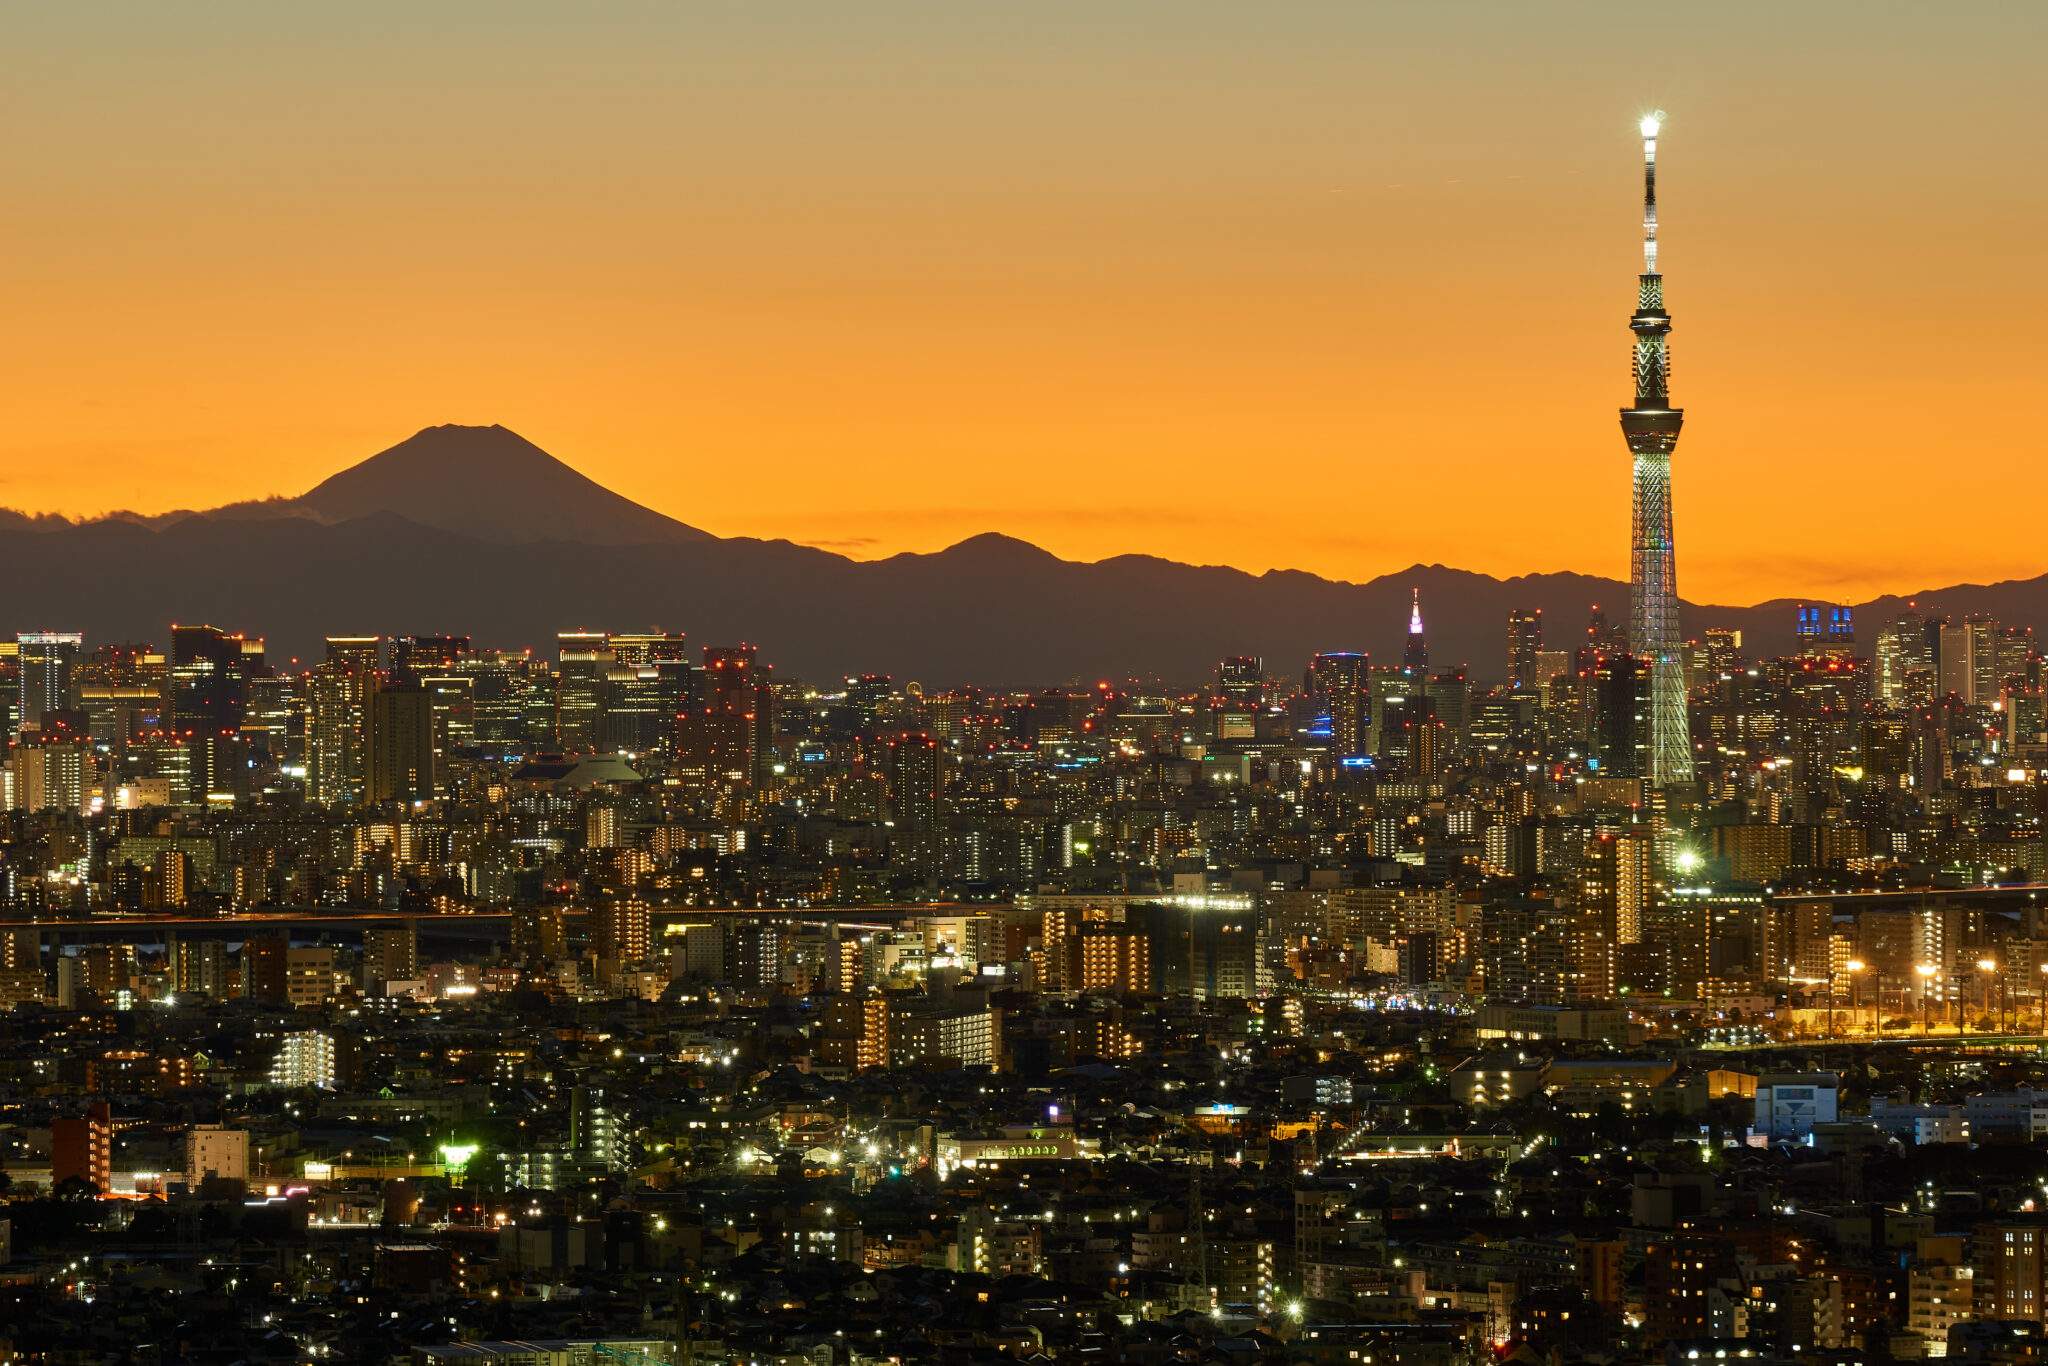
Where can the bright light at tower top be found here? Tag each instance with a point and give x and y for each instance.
(1651, 123)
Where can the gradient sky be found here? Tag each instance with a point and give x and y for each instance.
(1335, 285)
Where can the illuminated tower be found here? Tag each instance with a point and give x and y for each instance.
(1651, 425)
(1415, 654)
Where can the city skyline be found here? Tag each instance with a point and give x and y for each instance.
(896, 317)
(968, 818)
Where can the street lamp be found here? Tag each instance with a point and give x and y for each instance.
(1854, 967)
(2043, 994)
(1989, 967)
(1925, 971)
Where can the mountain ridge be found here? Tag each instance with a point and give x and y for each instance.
(476, 529)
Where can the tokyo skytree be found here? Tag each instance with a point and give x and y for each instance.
(1651, 425)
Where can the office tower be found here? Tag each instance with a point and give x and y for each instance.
(47, 661)
(1967, 659)
(309, 976)
(1450, 703)
(10, 684)
(209, 676)
(337, 711)
(453, 697)
(1905, 657)
(722, 736)
(914, 782)
(1339, 687)
(1502, 724)
(509, 689)
(1415, 651)
(1525, 643)
(211, 693)
(1824, 629)
(646, 688)
(1240, 682)
(867, 702)
(1621, 730)
(1651, 425)
(398, 746)
(1602, 635)
(273, 720)
(415, 657)
(360, 654)
(640, 705)
(584, 660)
(1388, 739)
(1721, 652)
(637, 648)
(333, 739)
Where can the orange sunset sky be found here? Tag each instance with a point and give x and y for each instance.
(1333, 286)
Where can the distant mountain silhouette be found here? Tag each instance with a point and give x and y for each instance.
(475, 529)
(485, 482)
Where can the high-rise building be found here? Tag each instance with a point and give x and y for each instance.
(914, 782)
(1240, 682)
(1824, 629)
(390, 953)
(1621, 732)
(597, 1132)
(1525, 643)
(2011, 1270)
(1967, 659)
(1906, 664)
(638, 649)
(413, 658)
(1115, 958)
(199, 966)
(724, 734)
(646, 689)
(1202, 951)
(209, 678)
(621, 930)
(585, 660)
(1339, 688)
(1415, 650)
(47, 661)
(453, 698)
(52, 767)
(337, 715)
(1651, 425)
(399, 760)
(307, 1059)
(82, 1147)
(273, 719)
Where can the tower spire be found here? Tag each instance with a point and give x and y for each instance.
(1651, 426)
(1415, 655)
